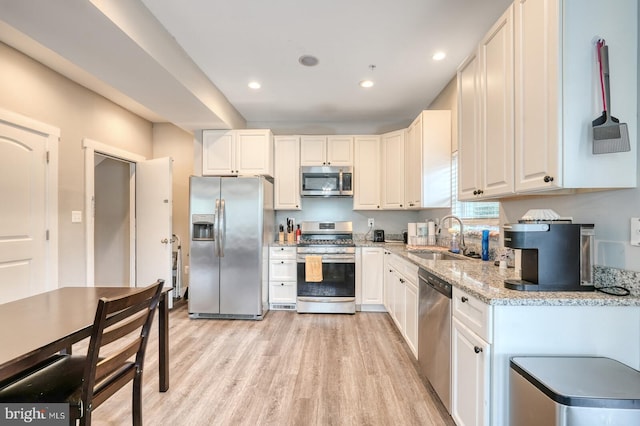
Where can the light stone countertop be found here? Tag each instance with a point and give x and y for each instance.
(485, 281)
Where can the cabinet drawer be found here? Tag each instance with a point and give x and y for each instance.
(408, 269)
(282, 252)
(282, 292)
(473, 313)
(283, 270)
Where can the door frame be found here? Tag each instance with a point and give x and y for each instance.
(52, 135)
(92, 147)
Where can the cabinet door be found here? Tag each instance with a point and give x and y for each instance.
(470, 357)
(287, 173)
(366, 193)
(469, 151)
(313, 150)
(218, 153)
(254, 152)
(537, 44)
(393, 170)
(388, 284)
(372, 275)
(496, 82)
(399, 306)
(413, 165)
(411, 316)
(340, 151)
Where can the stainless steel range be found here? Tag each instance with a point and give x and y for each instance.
(326, 257)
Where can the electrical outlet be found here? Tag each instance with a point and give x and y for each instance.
(370, 222)
(635, 231)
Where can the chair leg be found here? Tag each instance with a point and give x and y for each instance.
(136, 409)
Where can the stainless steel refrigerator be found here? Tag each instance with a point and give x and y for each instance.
(232, 224)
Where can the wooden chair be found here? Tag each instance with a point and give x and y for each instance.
(85, 382)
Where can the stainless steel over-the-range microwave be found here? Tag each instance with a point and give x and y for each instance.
(326, 181)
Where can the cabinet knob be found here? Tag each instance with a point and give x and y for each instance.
(400, 205)
(464, 299)
(401, 280)
(480, 192)
(477, 349)
(283, 284)
(548, 178)
(281, 248)
(475, 192)
(282, 261)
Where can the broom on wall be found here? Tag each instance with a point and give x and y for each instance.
(609, 135)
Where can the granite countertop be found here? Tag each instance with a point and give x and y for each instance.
(485, 281)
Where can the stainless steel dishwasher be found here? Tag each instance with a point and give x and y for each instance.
(434, 334)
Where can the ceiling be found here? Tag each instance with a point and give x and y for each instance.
(190, 62)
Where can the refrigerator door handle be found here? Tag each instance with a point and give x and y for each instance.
(223, 230)
(216, 229)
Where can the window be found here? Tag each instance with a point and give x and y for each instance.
(478, 211)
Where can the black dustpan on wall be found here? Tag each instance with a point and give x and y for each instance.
(609, 135)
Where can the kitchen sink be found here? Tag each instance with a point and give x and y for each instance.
(436, 255)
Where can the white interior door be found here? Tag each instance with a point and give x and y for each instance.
(27, 258)
(153, 221)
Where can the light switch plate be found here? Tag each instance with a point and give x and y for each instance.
(76, 216)
(635, 231)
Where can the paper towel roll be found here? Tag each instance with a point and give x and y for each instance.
(411, 229)
(431, 228)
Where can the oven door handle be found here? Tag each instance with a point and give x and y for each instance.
(331, 258)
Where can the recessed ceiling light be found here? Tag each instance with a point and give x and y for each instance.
(438, 56)
(366, 83)
(308, 60)
(254, 85)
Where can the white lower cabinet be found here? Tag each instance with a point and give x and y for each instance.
(370, 277)
(282, 278)
(470, 357)
(401, 298)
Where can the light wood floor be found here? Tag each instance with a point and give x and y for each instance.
(289, 369)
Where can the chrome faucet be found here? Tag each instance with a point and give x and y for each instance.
(463, 246)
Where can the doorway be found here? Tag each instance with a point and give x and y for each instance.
(112, 221)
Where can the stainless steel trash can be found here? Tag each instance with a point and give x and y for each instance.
(573, 391)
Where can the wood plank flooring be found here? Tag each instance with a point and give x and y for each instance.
(289, 369)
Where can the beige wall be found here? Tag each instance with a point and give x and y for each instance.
(171, 141)
(31, 89)
(448, 99)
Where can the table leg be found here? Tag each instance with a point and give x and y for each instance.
(163, 341)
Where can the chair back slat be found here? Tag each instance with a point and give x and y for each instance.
(102, 393)
(120, 330)
(116, 360)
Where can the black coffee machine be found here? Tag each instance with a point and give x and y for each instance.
(553, 255)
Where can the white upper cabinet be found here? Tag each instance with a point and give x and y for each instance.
(287, 173)
(366, 193)
(246, 152)
(428, 161)
(469, 150)
(393, 174)
(496, 124)
(557, 92)
(485, 115)
(326, 151)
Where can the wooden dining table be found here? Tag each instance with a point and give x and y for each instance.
(34, 328)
